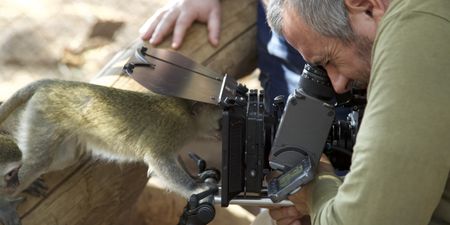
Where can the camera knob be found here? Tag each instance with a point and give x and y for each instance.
(278, 102)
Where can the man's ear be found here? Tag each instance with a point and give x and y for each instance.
(374, 9)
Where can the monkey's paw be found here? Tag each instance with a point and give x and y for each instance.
(8, 211)
(38, 188)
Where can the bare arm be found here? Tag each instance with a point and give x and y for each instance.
(178, 16)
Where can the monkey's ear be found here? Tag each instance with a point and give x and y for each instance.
(196, 108)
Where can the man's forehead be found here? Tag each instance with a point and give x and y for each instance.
(302, 37)
(310, 55)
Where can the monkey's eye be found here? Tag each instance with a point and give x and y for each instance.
(11, 174)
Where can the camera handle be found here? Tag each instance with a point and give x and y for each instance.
(199, 209)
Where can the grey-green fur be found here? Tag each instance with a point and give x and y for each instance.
(9, 151)
(51, 120)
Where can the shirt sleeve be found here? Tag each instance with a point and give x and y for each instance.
(400, 164)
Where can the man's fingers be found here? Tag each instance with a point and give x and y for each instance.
(149, 26)
(284, 212)
(165, 26)
(289, 221)
(286, 216)
(325, 164)
(214, 26)
(184, 21)
(300, 199)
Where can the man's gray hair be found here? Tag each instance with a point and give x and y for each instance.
(327, 17)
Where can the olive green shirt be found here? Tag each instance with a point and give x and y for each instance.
(401, 161)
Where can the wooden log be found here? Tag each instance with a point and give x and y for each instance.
(98, 192)
(235, 55)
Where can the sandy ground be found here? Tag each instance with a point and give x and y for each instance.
(65, 39)
(72, 40)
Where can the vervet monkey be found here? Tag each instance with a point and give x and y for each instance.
(50, 119)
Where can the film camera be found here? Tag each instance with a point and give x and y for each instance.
(287, 137)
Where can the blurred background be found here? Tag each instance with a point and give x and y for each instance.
(65, 39)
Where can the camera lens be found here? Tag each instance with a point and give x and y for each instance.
(314, 81)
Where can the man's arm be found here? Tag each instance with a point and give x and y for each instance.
(401, 160)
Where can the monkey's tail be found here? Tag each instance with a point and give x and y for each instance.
(19, 98)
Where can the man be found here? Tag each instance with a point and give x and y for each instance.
(401, 51)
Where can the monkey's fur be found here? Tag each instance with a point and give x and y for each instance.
(52, 120)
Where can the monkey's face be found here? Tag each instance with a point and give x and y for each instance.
(10, 180)
(10, 162)
(209, 120)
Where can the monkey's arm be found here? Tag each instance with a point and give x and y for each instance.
(8, 212)
(38, 188)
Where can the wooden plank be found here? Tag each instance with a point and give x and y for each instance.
(96, 193)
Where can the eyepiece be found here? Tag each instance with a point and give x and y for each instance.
(315, 82)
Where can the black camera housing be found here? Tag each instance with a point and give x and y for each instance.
(247, 132)
(289, 139)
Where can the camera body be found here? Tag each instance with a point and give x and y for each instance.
(258, 139)
(288, 139)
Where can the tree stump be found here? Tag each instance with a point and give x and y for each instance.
(99, 192)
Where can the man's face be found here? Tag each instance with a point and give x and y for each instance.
(347, 65)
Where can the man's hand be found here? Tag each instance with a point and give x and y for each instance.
(178, 16)
(293, 215)
(325, 165)
(300, 199)
(289, 216)
(298, 214)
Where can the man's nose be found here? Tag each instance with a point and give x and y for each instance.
(340, 83)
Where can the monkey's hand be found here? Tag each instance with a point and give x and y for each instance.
(38, 188)
(8, 212)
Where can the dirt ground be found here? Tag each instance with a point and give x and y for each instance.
(71, 39)
(65, 39)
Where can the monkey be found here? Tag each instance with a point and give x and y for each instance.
(53, 122)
